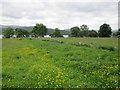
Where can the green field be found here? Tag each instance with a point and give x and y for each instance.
(45, 63)
(0, 63)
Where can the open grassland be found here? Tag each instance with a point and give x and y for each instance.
(46, 63)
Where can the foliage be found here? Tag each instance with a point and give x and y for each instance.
(39, 30)
(119, 29)
(56, 33)
(26, 33)
(75, 31)
(8, 32)
(84, 28)
(81, 34)
(93, 33)
(21, 32)
(105, 30)
(116, 34)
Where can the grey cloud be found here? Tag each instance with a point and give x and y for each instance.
(60, 14)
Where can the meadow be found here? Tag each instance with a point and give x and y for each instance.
(60, 63)
(0, 64)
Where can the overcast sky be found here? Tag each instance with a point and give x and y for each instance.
(60, 14)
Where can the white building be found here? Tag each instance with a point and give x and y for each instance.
(47, 36)
(65, 36)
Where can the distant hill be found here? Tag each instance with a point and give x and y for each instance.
(50, 30)
(2, 27)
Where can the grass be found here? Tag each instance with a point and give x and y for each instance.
(0, 64)
(39, 63)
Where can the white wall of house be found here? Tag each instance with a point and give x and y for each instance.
(47, 36)
(65, 36)
(1, 36)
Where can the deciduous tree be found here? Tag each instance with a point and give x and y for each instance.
(8, 32)
(39, 30)
(21, 32)
(75, 32)
(93, 33)
(84, 28)
(105, 30)
(56, 33)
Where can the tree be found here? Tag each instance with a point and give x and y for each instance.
(81, 34)
(18, 32)
(39, 30)
(117, 34)
(75, 31)
(85, 29)
(8, 32)
(93, 33)
(119, 29)
(21, 32)
(56, 33)
(25, 33)
(105, 30)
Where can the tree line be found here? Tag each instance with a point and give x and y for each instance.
(39, 30)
